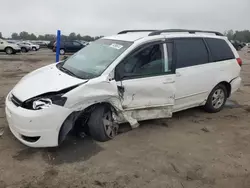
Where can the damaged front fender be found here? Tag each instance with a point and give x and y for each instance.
(99, 91)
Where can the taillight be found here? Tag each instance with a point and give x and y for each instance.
(239, 61)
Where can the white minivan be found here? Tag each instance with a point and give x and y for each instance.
(132, 76)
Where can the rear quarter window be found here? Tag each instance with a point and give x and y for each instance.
(219, 49)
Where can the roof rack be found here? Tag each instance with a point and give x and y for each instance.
(158, 32)
(132, 31)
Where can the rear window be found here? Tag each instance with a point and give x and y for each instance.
(219, 49)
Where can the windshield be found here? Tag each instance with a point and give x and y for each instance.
(92, 60)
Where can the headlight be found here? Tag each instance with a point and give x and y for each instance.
(43, 102)
(47, 99)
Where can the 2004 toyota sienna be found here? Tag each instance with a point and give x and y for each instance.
(132, 76)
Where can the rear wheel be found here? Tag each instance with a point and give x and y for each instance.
(101, 124)
(216, 99)
(9, 50)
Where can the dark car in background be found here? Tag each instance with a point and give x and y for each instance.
(51, 44)
(69, 46)
(237, 44)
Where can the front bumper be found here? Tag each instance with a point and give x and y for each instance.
(36, 128)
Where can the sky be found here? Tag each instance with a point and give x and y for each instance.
(107, 17)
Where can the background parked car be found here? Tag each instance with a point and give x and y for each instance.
(85, 43)
(41, 44)
(9, 48)
(24, 47)
(34, 47)
(51, 44)
(237, 45)
(69, 46)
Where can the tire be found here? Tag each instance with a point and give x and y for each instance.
(24, 50)
(34, 48)
(101, 125)
(9, 50)
(216, 99)
(62, 51)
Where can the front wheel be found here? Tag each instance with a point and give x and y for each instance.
(62, 51)
(101, 124)
(216, 99)
(9, 50)
(34, 48)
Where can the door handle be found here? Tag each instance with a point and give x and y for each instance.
(178, 74)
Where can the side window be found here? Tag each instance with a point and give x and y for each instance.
(219, 49)
(68, 43)
(190, 52)
(76, 44)
(144, 62)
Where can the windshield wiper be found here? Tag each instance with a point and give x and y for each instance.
(67, 71)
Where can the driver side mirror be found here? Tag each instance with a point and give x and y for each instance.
(119, 72)
(123, 70)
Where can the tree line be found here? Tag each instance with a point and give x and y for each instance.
(242, 36)
(50, 37)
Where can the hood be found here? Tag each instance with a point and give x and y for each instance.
(44, 80)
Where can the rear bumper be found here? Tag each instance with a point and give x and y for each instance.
(235, 84)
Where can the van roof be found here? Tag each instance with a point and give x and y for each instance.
(133, 35)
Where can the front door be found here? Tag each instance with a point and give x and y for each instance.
(146, 81)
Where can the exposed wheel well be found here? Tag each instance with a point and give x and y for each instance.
(228, 87)
(84, 115)
(75, 121)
